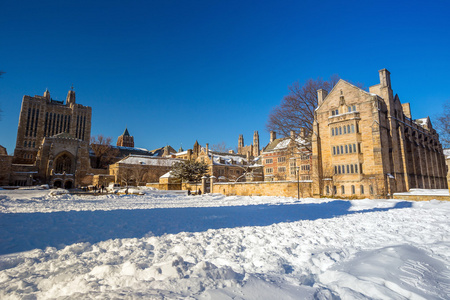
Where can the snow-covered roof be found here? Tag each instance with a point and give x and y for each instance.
(283, 143)
(167, 175)
(227, 159)
(422, 121)
(148, 160)
(447, 153)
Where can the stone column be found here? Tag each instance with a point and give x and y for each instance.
(211, 182)
(204, 184)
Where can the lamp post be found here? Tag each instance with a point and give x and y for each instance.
(297, 170)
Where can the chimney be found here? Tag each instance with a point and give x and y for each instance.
(292, 134)
(385, 78)
(273, 136)
(321, 95)
(302, 132)
(207, 148)
(231, 151)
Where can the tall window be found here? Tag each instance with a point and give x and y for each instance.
(63, 164)
(353, 189)
(362, 189)
(343, 190)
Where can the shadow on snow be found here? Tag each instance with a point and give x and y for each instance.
(27, 231)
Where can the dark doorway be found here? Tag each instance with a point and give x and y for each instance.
(57, 184)
(68, 184)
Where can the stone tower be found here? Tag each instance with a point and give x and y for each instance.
(240, 143)
(125, 140)
(256, 150)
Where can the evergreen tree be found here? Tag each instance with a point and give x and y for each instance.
(189, 171)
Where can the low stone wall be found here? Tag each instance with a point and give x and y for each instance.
(164, 186)
(422, 197)
(264, 188)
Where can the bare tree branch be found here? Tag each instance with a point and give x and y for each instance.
(105, 154)
(443, 125)
(296, 110)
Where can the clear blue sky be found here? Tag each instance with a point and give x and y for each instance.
(179, 71)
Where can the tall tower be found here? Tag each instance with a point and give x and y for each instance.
(125, 140)
(256, 150)
(240, 143)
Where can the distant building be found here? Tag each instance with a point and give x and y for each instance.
(139, 170)
(225, 166)
(125, 140)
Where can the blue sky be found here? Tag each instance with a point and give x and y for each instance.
(179, 71)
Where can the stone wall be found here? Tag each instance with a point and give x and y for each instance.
(264, 188)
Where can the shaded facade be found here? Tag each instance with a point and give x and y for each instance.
(41, 116)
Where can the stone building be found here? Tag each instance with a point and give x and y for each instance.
(366, 144)
(41, 116)
(139, 170)
(287, 158)
(252, 150)
(52, 142)
(125, 140)
(225, 166)
(5, 167)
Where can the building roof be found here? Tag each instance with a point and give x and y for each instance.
(148, 160)
(126, 133)
(447, 153)
(283, 143)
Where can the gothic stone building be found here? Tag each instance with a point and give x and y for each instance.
(52, 141)
(225, 166)
(366, 144)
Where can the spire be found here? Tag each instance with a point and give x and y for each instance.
(126, 133)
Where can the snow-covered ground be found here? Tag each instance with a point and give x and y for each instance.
(174, 246)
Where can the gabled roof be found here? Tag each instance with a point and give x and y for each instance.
(148, 160)
(342, 81)
(283, 143)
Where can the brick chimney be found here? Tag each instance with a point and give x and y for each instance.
(273, 136)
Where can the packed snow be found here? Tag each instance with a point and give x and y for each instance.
(168, 245)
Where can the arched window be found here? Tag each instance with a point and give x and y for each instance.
(353, 189)
(343, 190)
(362, 189)
(348, 128)
(63, 164)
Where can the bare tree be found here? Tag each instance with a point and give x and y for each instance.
(126, 176)
(104, 153)
(140, 174)
(220, 147)
(296, 110)
(443, 125)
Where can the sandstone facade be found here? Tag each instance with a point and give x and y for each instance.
(366, 144)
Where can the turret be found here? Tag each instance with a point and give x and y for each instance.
(47, 95)
(70, 97)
